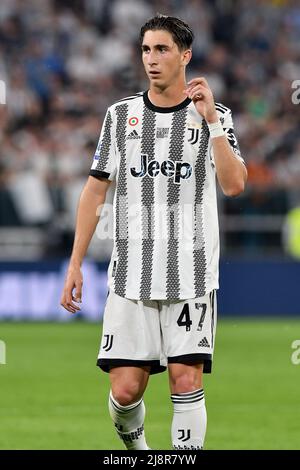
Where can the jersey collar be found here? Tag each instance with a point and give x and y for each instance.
(160, 109)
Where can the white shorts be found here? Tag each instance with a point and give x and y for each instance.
(157, 332)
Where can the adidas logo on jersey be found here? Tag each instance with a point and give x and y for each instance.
(169, 168)
(204, 343)
(133, 135)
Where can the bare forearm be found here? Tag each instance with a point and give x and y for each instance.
(88, 214)
(231, 172)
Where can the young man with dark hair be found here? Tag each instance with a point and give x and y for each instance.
(164, 148)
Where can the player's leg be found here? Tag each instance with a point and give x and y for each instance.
(126, 405)
(189, 412)
(128, 383)
(188, 329)
(130, 350)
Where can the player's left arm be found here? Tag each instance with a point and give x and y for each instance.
(231, 171)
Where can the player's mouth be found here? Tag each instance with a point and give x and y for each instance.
(154, 73)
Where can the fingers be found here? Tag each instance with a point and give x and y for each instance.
(198, 91)
(78, 291)
(199, 80)
(67, 300)
(73, 282)
(198, 86)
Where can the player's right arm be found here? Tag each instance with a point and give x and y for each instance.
(91, 200)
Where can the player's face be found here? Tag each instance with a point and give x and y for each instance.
(163, 61)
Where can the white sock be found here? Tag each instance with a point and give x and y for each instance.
(189, 420)
(129, 423)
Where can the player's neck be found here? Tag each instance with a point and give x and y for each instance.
(167, 97)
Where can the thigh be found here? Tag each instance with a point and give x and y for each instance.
(188, 329)
(131, 335)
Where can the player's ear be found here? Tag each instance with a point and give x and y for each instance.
(186, 56)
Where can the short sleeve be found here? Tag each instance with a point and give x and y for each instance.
(227, 123)
(105, 162)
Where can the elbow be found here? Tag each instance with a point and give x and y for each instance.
(235, 190)
(237, 186)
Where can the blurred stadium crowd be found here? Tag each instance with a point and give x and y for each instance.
(65, 61)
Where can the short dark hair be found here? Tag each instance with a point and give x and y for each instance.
(181, 32)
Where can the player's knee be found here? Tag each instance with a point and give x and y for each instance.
(127, 394)
(184, 383)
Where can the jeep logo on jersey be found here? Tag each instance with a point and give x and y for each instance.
(178, 170)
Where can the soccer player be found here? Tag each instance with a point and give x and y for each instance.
(164, 149)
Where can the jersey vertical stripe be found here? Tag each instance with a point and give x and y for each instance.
(175, 154)
(199, 241)
(148, 221)
(121, 205)
(105, 143)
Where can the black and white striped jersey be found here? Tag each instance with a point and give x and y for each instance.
(166, 236)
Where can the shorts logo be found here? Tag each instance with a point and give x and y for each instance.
(204, 343)
(185, 435)
(133, 121)
(109, 342)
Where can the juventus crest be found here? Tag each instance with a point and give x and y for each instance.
(194, 135)
(108, 342)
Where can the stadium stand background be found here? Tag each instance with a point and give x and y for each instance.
(63, 62)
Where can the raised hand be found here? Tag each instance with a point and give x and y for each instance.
(199, 91)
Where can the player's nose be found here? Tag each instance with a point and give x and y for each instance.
(151, 59)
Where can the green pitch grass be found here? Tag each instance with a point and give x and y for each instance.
(52, 396)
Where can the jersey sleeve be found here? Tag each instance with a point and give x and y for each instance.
(105, 162)
(227, 123)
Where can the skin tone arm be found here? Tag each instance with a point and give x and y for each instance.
(92, 196)
(231, 173)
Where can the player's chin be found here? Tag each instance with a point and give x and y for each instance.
(155, 78)
(158, 82)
